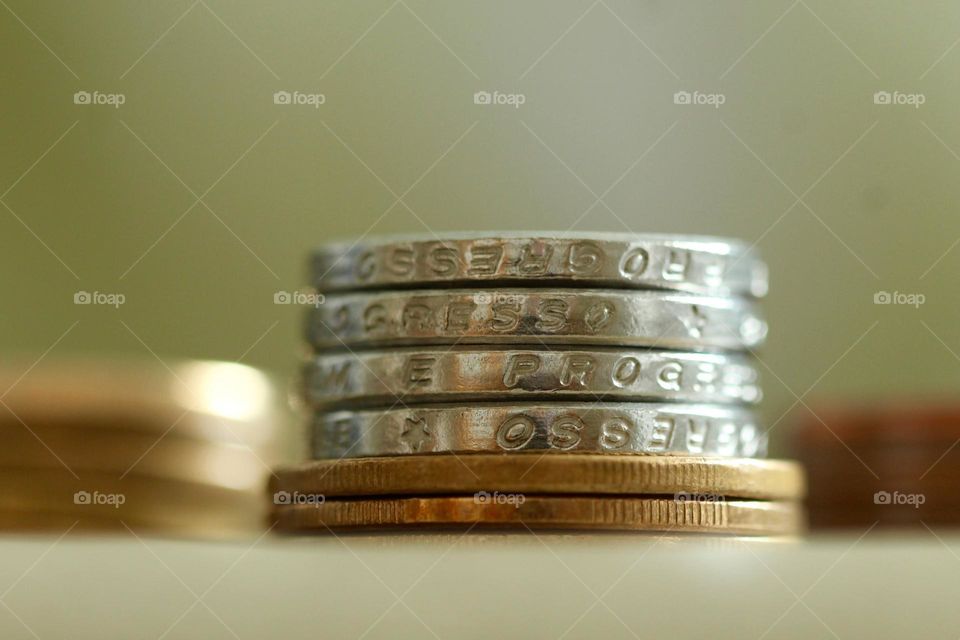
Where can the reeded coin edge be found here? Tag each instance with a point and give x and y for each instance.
(539, 472)
(549, 512)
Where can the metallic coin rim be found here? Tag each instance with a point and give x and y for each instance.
(374, 241)
(478, 428)
(622, 333)
(464, 374)
(538, 473)
(549, 512)
(751, 279)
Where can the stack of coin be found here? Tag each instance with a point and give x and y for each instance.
(94, 444)
(892, 462)
(595, 381)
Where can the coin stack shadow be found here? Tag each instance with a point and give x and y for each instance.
(549, 381)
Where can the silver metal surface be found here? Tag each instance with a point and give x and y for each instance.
(438, 374)
(563, 426)
(695, 264)
(536, 316)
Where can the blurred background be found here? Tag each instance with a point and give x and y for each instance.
(147, 155)
(166, 166)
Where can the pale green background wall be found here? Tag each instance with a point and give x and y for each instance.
(91, 191)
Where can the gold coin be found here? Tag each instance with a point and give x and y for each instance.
(108, 496)
(544, 473)
(547, 512)
(27, 521)
(207, 400)
(231, 466)
(194, 524)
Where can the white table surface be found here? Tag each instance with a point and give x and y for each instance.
(880, 585)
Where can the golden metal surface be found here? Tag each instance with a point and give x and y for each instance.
(114, 451)
(548, 512)
(546, 473)
(208, 400)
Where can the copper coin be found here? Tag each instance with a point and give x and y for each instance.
(547, 512)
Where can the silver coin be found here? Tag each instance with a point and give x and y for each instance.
(536, 316)
(460, 374)
(695, 264)
(651, 428)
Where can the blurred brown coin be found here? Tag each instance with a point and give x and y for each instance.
(543, 473)
(911, 421)
(894, 462)
(547, 512)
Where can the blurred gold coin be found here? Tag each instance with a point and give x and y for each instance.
(208, 400)
(547, 512)
(105, 443)
(542, 473)
(195, 524)
(33, 496)
(110, 450)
